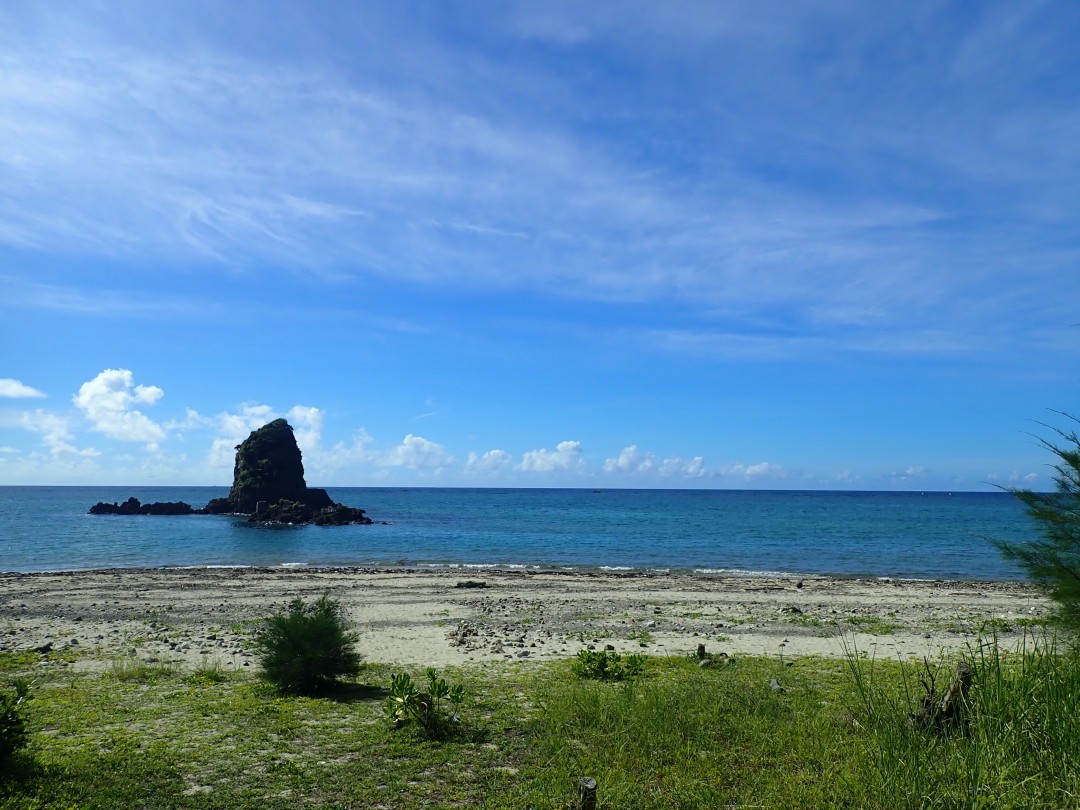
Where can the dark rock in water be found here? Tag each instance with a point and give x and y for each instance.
(167, 508)
(268, 486)
(269, 468)
(286, 512)
(132, 506)
(219, 506)
(129, 507)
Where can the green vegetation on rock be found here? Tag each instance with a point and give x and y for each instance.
(268, 468)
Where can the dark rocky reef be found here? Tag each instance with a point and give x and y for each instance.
(268, 486)
(132, 506)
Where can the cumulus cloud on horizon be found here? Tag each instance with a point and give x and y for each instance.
(414, 453)
(566, 457)
(491, 461)
(633, 461)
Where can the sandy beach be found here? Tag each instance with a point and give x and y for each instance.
(423, 617)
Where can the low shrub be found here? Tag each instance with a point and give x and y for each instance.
(13, 733)
(405, 702)
(607, 665)
(308, 648)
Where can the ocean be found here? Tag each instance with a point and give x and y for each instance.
(932, 535)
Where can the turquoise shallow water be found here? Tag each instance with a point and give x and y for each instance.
(932, 535)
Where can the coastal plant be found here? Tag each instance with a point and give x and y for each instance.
(437, 711)
(13, 732)
(1052, 561)
(1016, 747)
(306, 649)
(606, 665)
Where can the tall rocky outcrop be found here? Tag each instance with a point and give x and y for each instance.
(269, 468)
(268, 486)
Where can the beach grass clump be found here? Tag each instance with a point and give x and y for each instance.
(130, 669)
(306, 649)
(1015, 743)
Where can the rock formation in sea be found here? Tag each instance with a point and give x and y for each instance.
(132, 506)
(268, 486)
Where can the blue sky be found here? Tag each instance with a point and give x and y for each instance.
(698, 244)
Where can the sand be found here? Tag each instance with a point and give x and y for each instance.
(203, 616)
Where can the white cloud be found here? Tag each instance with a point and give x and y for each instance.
(55, 434)
(631, 460)
(567, 456)
(763, 469)
(108, 401)
(909, 472)
(1016, 477)
(678, 467)
(233, 428)
(192, 420)
(414, 453)
(491, 461)
(14, 389)
(307, 425)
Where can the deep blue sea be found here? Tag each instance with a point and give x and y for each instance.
(933, 535)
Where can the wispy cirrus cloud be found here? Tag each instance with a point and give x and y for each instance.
(764, 210)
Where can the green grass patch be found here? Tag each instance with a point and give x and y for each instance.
(752, 732)
(872, 625)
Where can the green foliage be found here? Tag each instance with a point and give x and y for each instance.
(429, 709)
(605, 665)
(306, 649)
(685, 737)
(127, 669)
(1053, 561)
(1017, 746)
(268, 467)
(13, 733)
(695, 738)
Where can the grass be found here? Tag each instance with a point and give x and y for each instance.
(755, 732)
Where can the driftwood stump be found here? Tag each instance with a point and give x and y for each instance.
(955, 699)
(938, 710)
(587, 793)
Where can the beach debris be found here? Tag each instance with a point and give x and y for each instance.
(936, 711)
(799, 584)
(791, 609)
(460, 635)
(471, 583)
(775, 686)
(587, 793)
